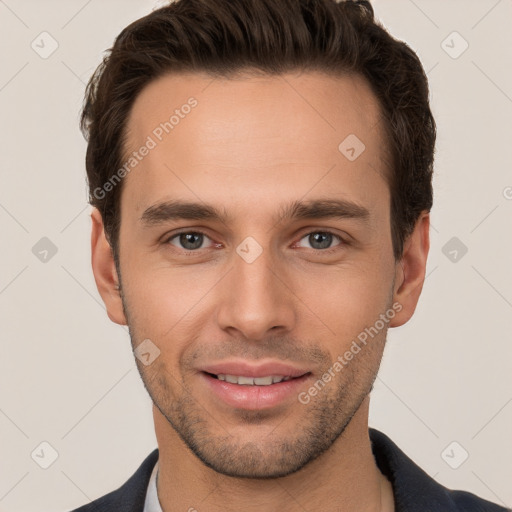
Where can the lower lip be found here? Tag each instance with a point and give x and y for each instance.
(254, 397)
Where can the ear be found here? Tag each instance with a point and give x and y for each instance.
(104, 269)
(410, 270)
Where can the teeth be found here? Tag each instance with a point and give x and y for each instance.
(245, 380)
(262, 381)
(253, 381)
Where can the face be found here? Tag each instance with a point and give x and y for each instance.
(252, 246)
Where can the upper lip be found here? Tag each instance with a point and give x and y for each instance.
(245, 369)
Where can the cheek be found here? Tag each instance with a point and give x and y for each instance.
(348, 299)
(166, 302)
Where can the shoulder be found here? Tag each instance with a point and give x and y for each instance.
(414, 489)
(130, 496)
(466, 501)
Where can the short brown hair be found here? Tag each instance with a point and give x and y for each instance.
(223, 37)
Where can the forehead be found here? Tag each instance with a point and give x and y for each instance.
(252, 134)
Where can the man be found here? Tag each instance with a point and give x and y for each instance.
(261, 173)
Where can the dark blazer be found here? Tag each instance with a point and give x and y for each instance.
(414, 490)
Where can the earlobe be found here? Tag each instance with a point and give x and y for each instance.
(410, 270)
(104, 270)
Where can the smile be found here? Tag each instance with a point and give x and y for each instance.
(252, 381)
(254, 393)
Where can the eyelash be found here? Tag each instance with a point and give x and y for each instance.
(342, 243)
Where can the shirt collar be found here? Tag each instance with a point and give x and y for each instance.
(152, 504)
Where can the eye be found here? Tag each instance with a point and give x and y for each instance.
(195, 240)
(321, 240)
(188, 240)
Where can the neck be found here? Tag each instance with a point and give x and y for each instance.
(344, 478)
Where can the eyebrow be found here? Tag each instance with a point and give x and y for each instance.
(165, 211)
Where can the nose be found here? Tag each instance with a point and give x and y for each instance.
(256, 298)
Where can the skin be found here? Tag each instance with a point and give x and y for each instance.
(251, 145)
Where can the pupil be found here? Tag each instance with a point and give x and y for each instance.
(323, 240)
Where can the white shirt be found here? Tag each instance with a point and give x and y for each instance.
(152, 504)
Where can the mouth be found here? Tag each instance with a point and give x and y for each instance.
(252, 381)
(253, 393)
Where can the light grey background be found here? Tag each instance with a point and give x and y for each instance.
(67, 374)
